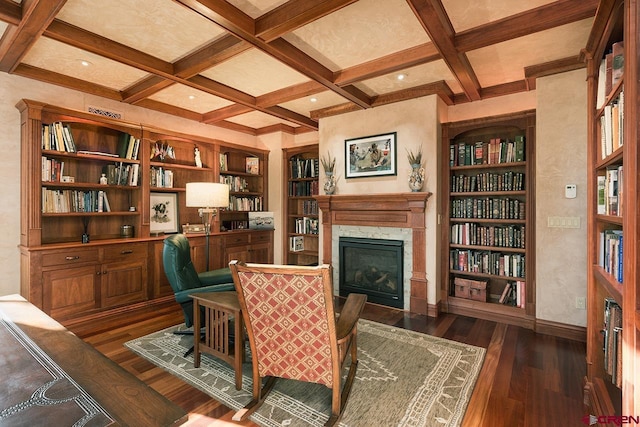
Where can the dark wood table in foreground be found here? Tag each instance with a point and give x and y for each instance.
(50, 373)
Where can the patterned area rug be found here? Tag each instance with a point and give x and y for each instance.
(404, 378)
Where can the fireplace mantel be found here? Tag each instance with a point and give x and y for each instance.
(396, 210)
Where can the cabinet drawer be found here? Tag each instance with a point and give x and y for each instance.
(126, 251)
(236, 239)
(72, 256)
(260, 237)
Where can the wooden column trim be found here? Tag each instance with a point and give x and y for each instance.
(400, 210)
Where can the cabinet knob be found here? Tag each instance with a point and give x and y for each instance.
(125, 252)
(71, 258)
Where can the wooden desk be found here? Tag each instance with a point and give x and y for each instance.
(219, 308)
(37, 353)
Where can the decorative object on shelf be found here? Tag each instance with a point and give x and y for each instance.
(127, 230)
(85, 235)
(416, 177)
(261, 221)
(103, 179)
(329, 164)
(162, 151)
(371, 156)
(196, 155)
(164, 213)
(208, 196)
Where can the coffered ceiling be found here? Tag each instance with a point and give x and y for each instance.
(258, 66)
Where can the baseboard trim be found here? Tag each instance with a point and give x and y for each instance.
(561, 330)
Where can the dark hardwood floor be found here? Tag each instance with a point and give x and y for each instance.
(527, 379)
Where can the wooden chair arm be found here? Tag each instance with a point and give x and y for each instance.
(349, 315)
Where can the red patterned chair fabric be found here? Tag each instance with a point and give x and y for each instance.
(290, 320)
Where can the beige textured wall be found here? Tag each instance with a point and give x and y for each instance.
(416, 124)
(561, 158)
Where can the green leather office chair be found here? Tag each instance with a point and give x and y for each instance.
(184, 280)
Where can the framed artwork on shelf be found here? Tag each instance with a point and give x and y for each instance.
(164, 213)
(373, 155)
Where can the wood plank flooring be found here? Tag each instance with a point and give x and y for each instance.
(527, 380)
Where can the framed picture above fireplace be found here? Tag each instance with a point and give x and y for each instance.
(373, 155)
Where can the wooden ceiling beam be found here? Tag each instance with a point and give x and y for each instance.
(294, 14)
(220, 12)
(563, 65)
(145, 88)
(35, 73)
(435, 22)
(398, 61)
(225, 112)
(439, 88)
(289, 93)
(10, 12)
(36, 15)
(542, 18)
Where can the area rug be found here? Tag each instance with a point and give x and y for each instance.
(404, 378)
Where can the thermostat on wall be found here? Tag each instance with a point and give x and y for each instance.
(570, 191)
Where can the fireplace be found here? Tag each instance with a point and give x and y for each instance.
(373, 267)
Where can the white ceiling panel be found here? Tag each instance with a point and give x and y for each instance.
(258, 120)
(63, 59)
(305, 105)
(256, 8)
(190, 99)
(469, 14)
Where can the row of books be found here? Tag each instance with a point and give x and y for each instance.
(487, 181)
(309, 207)
(252, 203)
(482, 153)
(64, 201)
(488, 208)
(128, 146)
(610, 191)
(122, 174)
(52, 170)
(611, 252)
(508, 236)
(612, 126)
(236, 183)
(304, 168)
(161, 177)
(306, 225)
(514, 294)
(303, 188)
(611, 72)
(487, 262)
(57, 136)
(296, 243)
(612, 343)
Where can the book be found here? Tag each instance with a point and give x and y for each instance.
(296, 243)
(601, 188)
(617, 63)
(253, 165)
(519, 148)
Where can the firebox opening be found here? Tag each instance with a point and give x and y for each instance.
(373, 267)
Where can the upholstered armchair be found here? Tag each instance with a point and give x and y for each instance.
(182, 275)
(293, 332)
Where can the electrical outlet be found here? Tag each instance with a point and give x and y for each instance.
(581, 303)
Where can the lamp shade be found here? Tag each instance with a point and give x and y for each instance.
(207, 195)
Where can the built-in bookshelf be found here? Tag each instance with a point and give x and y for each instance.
(244, 171)
(613, 319)
(488, 220)
(301, 172)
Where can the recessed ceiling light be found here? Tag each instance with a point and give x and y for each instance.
(401, 76)
(192, 97)
(85, 63)
(313, 99)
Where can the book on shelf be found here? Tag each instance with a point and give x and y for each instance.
(612, 342)
(602, 197)
(223, 161)
(611, 253)
(617, 63)
(128, 146)
(252, 165)
(296, 243)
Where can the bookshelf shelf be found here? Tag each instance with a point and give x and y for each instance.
(488, 215)
(613, 155)
(300, 209)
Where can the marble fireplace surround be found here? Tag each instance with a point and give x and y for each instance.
(395, 210)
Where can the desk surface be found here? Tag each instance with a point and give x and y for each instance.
(46, 363)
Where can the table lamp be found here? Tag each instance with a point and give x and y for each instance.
(208, 197)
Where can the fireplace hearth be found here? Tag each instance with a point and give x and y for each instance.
(373, 267)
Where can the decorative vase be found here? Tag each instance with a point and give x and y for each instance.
(330, 183)
(416, 178)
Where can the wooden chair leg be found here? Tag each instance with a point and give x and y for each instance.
(336, 413)
(256, 402)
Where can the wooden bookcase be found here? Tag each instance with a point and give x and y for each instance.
(70, 276)
(489, 217)
(300, 208)
(609, 389)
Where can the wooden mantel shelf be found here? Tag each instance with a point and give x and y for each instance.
(396, 210)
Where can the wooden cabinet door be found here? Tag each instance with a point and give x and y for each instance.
(123, 282)
(70, 290)
(241, 253)
(261, 253)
